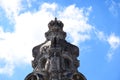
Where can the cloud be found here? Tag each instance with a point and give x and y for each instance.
(100, 34)
(16, 47)
(76, 23)
(11, 7)
(7, 68)
(112, 40)
(113, 7)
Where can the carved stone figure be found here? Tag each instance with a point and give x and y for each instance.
(55, 59)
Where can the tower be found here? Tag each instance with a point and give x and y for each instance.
(55, 59)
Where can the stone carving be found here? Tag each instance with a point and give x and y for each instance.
(55, 59)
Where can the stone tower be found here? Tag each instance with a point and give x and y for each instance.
(55, 59)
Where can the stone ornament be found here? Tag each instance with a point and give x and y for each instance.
(55, 59)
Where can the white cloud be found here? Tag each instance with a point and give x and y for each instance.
(11, 7)
(29, 3)
(75, 21)
(47, 6)
(8, 68)
(16, 47)
(114, 41)
(100, 34)
(113, 7)
(110, 54)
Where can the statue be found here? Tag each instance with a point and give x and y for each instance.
(55, 59)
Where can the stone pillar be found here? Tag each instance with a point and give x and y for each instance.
(55, 59)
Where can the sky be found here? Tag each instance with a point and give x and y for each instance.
(92, 25)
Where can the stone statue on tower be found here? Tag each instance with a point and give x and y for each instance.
(55, 59)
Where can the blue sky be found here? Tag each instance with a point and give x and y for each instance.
(91, 25)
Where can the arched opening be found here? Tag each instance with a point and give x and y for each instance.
(32, 77)
(78, 76)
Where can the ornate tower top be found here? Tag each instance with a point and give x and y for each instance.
(55, 30)
(55, 59)
(55, 25)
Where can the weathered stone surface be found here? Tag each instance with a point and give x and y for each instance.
(55, 59)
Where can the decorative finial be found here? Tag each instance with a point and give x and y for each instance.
(55, 25)
(55, 19)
